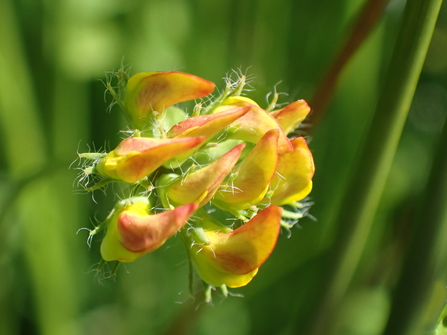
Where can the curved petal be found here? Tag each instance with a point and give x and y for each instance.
(152, 92)
(245, 249)
(133, 232)
(136, 157)
(239, 101)
(292, 115)
(204, 125)
(207, 125)
(145, 233)
(111, 248)
(295, 170)
(201, 185)
(212, 276)
(254, 124)
(253, 175)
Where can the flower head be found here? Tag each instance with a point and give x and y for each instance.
(229, 161)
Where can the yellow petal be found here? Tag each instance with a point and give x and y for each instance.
(207, 125)
(239, 101)
(254, 174)
(203, 125)
(292, 115)
(254, 124)
(212, 276)
(145, 233)
(295, 170)
(201, 185)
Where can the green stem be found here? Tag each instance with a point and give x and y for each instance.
(357, 211)
(426, 257)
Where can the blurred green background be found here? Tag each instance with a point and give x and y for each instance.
(53, 58)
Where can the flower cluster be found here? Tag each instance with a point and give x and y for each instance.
(228, 161)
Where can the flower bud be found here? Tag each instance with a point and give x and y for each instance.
(252, 175)
(201, 185)
(254, 124)
(136, 157)
(233, 258)
(203, 125)
(150, 93)
(133, 231)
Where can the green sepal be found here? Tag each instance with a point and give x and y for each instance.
(93, 156)
(101, 183)
(162, 186)
(208, 292)
(172, 116)
(197, 234)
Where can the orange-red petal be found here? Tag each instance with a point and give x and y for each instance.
(136, 157)
(145, 233)
(203, 125)
(152, 92)
(246, 248)
(292, 115)
(212, 276)
(133, 232)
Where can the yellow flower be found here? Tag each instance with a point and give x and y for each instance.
(201, 185)
(293, 180)
(292, 115)
(151, 93)
(252, 175)
(205, 126)
(232, 258)
(255, 123)
(136, 157)
(228, 160)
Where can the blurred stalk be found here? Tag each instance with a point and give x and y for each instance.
(21, 135)
(364, 24)
(368, 180)
(36, 201)
(427, 254)
(21, 130)
(441, 324)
